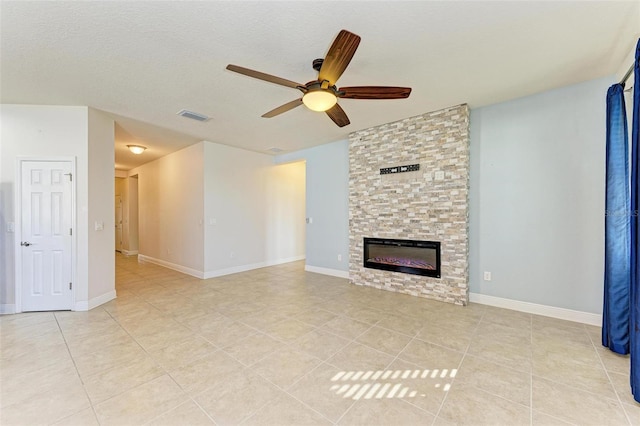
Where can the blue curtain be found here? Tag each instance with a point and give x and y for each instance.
(635, 252)
(615, 313)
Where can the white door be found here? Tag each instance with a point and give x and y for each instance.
(118, 223)
(46, 241)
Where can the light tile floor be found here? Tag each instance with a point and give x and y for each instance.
(281, 346)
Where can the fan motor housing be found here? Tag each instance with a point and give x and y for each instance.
(317, 64)
(315, 85)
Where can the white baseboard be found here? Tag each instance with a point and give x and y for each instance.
(327, 271)
(78, 306)
(292, 259)
(7, 309)
(174, 266)
(249, 267)
(104, 298)
(218, 272)
(94, 302)
(534, 308)
(129, 252)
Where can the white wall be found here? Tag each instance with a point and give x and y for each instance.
(254, 211)
(39, 131)
(537, 197)
(171, 206)
(327, 203)
(58, 131)
(211, 209)
(132, 214)
(121, 189)
(101, 244)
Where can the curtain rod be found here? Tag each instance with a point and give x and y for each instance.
(627, 75)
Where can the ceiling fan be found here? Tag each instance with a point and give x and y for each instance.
(322, 94)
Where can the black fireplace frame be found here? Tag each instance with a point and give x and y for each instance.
(435, 273)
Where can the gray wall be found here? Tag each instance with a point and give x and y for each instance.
(327, 203)
(537, 197)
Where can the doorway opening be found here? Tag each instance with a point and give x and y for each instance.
(126, 215)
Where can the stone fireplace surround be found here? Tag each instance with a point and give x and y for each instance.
(428, 204)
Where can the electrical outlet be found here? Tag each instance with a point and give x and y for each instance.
(339, 258)
(231, 255)
(487, 276)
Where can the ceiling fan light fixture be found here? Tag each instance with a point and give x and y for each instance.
(319, 100)
(136, 149)
(322, 93)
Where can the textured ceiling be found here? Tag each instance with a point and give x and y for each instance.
(144, 61)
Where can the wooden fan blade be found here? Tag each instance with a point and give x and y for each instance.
(375, 92)
(339, 56)
(283, 108)
(337, 114)
(262, 76)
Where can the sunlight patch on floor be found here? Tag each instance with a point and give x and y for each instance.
(383, 383)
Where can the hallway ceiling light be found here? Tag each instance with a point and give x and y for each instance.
(136, 149)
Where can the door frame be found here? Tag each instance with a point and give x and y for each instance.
(18, 226)
(119, 249)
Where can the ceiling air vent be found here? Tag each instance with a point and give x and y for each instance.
(275, 150)
(193, 115)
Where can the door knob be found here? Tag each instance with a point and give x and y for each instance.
(25, 243)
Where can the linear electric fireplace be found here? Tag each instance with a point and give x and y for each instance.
(408, 256)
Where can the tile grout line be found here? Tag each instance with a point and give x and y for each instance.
(175, 408)
(249, 368)
(413, 338)
(142, 384)
(324, 362)
(290, 395)
(583, 389)
(606, 371)
(294, 383)
(466, 356)
(396, 357)
(245, 366)
(166, 372)
(93, 409)
(354, 340)
(459, 365)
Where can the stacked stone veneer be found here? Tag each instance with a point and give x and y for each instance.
(429, 204)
